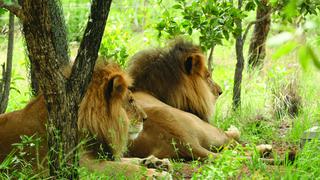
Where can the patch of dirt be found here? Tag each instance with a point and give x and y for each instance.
(184, 171)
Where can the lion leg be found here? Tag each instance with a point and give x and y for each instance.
(199, 152)
(113, 168)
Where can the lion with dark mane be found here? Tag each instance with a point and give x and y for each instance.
(175, 89)
(103, 115)
(176, 76)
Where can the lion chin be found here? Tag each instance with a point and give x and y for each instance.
(135, 131)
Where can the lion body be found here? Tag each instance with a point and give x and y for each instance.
(172, 133)
(27, 121)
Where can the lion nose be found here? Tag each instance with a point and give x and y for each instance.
(144, 119)
(220, 92)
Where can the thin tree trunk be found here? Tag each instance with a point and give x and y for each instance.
(210, 68)
(257, 48)
(239, 66)
(5, 89)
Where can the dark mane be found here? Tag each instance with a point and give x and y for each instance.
(175, 75)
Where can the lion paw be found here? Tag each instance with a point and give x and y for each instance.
(233, 132)
(154, 162)
(264, 149)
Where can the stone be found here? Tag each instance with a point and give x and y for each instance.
(310, 134)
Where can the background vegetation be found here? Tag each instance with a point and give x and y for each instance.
(289, 77)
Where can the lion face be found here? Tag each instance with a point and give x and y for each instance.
(135, 114)
(215, 88)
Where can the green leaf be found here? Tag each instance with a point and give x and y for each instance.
(2, 11)
(161, 26)
(304, 57)
(177, 6)
(226, 34)
(314, 57)
(189, 30)
(291, 9)
(284, 50)
(250, 6)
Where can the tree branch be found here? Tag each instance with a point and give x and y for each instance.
(210, 58)
(14, 8)
(7, 75)
(2, 81)
(252, 23)
(89, 47)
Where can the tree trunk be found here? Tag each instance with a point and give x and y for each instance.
(239, 66)
(33, 81)
(210, 68)
(46, 48)
(59, 31)
(257, 48)
(6, 75)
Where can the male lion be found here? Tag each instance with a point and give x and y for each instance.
(175, 89)
(177, 76)
(102, 115)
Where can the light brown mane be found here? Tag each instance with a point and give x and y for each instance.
(176, 75)
(101, 110)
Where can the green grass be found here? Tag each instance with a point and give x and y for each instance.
(258, 100)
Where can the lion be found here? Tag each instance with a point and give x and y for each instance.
(175, 89)
(176, 76)
(103, 115)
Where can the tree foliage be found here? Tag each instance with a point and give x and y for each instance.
(289, 10)
(213, 19)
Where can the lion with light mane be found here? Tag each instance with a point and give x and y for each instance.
(103, 114)
(175, 89)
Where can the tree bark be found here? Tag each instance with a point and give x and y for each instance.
(240, 64)
(59, 31)
(210, 68)
(41, 21)
(257, 48)
(6, 77)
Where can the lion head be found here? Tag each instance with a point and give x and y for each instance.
(178, 76)
(103, 111)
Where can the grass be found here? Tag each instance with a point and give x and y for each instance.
(256, 120)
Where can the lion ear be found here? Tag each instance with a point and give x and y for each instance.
(193, 64)
(116, 86)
